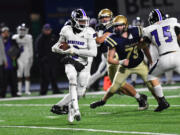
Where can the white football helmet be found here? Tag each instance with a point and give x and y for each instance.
(22, 30)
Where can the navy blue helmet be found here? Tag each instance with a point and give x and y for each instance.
(79, 19)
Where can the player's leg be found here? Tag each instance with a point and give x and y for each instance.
(157, 70)
(118, 82)
(27, 77)
(102, 69)
(133, 79)
(62, 106)
(169, 77)
(142, 71)
(83, 78)
(20, 75)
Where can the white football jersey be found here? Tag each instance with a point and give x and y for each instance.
(162, 34)
(84, 40)
(26, 44)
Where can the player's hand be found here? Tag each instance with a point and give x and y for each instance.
(124, 62)
(70, 51)
(107, 34)
(56, 49)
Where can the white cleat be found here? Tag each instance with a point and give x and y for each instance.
(71, 113)
(19, 93)
(28, 93)
(77, 115)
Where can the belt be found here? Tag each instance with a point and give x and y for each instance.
(166, 53)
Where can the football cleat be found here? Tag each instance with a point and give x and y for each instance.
(163, 104)
(143, 104)
(96, 104)
(19, 93)
(28, 93)
(60, 110)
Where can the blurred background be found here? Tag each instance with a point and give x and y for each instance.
(36, 13)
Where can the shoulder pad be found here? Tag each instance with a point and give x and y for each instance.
(65, 29)
(89, 33)
(173, 20)
(14, 36)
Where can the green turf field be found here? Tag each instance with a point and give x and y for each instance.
(119, 116)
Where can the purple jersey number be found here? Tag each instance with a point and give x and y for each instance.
(166, 33)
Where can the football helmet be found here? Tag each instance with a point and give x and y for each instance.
(22, 30)
(155, 15)
(79, 19)
(105, 13)
(120, 20)
(137, 22)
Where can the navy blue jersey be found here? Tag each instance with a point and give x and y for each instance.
(108, 28)
(126, 48)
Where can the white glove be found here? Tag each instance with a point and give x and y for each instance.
(56, 49)
(70, 51)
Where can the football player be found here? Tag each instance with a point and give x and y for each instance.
(25, 60)
(81, 40)
(123, 42)
(164, 34)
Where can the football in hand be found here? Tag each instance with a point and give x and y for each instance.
(64, 46)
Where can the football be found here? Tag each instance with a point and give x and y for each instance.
(64, 46)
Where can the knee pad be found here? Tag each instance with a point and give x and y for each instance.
(72, 78)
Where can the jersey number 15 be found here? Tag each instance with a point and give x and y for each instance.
(166, 33)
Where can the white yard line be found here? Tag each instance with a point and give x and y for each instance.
(109, 105)
(90, 130)
(88, 93)
(2, 120)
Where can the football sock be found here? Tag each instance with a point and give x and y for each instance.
(73, 93)
(137, 96)
(19, 86)
(158, 91)
(27, 86)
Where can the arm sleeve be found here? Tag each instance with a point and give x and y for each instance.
(62, 38)
(146, 36)
(2, 53)
(91, 51)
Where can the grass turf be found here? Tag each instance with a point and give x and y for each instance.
(111, 118)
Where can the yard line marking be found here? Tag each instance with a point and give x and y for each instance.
(52, 117)
(2, 120)
(37, 105)
(90, 130)
(88, 93)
